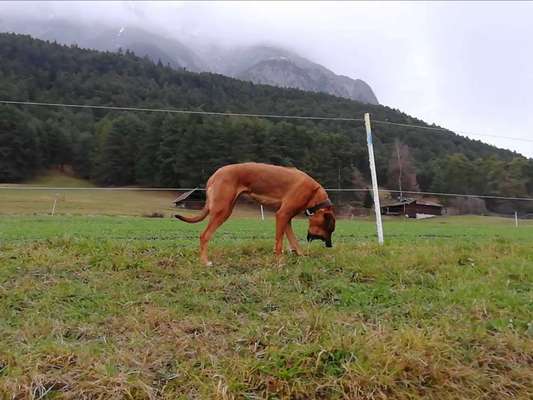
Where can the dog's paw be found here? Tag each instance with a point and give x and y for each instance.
(294, 252)
(209, 264)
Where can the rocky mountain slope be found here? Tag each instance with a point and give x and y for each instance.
(286, 69)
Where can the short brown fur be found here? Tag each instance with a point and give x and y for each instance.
(288, 190)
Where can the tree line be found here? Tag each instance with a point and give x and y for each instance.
(161, 149)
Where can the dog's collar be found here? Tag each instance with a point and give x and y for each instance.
(324, 204)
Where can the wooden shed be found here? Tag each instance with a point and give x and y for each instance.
(192, 199)
(413, 208)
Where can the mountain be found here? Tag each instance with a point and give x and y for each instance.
(285, 69)
(279, 67)
(259, 64)
(144, 43)
(102, 37)
(165, 149)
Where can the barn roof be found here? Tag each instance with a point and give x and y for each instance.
(407, 201)
(189, 194)
(401, 202)
(429, 203)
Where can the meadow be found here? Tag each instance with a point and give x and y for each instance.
(97, 302)
(118, 307)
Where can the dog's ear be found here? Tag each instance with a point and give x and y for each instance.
(330, 221)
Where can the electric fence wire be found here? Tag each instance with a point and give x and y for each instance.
(275, 116)
(330, 190)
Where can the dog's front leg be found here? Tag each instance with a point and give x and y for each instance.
(282, 219)
(293, 241)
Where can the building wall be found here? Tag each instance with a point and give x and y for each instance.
(412, 209)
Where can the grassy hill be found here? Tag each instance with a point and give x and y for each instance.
(72, 198)
(55, 178)
(77, 196)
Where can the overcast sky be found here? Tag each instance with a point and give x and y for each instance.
(467, 66)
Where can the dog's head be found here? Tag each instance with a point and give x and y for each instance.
(322, 225)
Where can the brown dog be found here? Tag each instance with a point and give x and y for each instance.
(289, 190)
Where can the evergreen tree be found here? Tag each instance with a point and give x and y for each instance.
(19, 152)
(120, 151)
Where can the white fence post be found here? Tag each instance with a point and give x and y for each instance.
(516, 219)
(55, 202)
(377, 207)
(262, 213)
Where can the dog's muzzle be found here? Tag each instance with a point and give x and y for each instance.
(311, 237)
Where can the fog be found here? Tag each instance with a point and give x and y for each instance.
(465, 66)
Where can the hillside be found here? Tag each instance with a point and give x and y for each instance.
(123, 148)
(144, 43)
(243, 63)
(71, 199)
(278, 67)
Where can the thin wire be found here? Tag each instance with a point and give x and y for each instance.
(477, 196)
(300, 117)
(164, 110)
(259, 116)
(124, 189)
(133, 189)
(444, 130)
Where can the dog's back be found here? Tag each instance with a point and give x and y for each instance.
(261, 178)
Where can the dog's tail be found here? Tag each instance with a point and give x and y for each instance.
(196, 218)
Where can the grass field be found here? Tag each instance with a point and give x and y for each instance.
(18, 199)
(119, 307)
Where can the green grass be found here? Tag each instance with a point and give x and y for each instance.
(74, 196)
(55, 178)
(119, 307)
(72, 199)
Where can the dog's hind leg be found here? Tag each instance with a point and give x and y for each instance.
(217, 218)
(221, 204)
(293, 241)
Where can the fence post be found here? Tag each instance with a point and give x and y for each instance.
(55, 202)
(377, 207)
(262, 213)
(516, 219)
